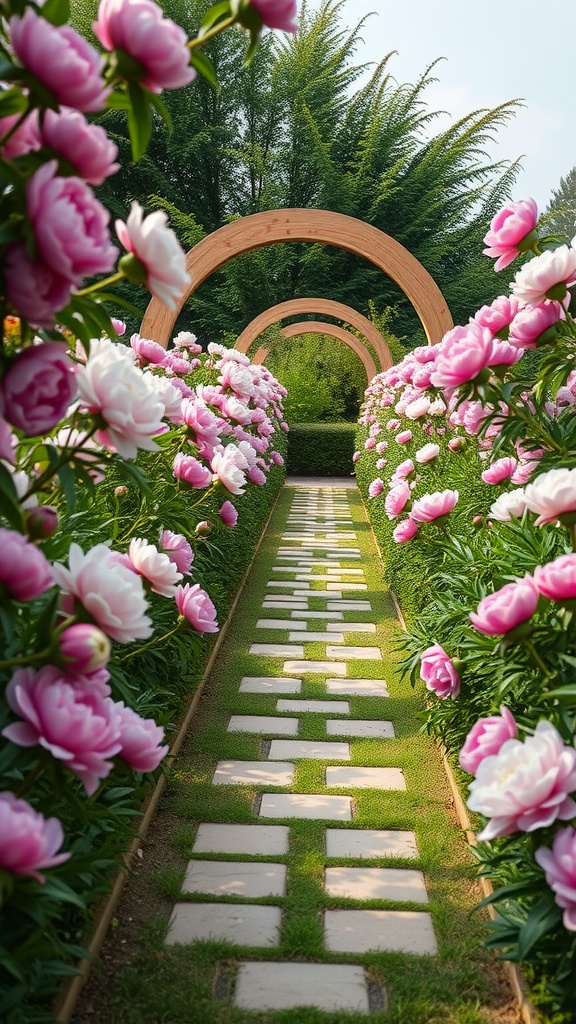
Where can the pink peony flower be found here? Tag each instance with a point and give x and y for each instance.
(508, 229)
(485, 738)
(535, 325)
(396, 499)
(188, 341)
(202, 424)
(559, 864)
(403, 437)
(277, 458)
(499, 315)
(194, 604)
(140, 739)
(546, 277)
(110, 592)
(417, 408)
(392, 424)
(405, 531)
(438, 672)
(369, 443)
(78, 724)
(156, 251)
(25, 138)
(227, 467)
(28, 841)
(375, 488)
(523, 472)
(147, 351)
(499, 470)
(41, 522)
(552, 495)
(191, 471)
(525, 786)
(256, 476)
(557, 579)
(228, 514)
(381, 447)
(84, 648)
(178, 550)
(427, 453)
(456, 443)
(279, 14)
(465, 352)
(60, 59)
(154, 566)
(32, 287)
(433, 506)
(38, 387)
(502, 611)
(85, 146)
(70, 225)
(24, 571)
(139, 29)
(402, 471)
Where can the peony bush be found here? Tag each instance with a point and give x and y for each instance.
(466, 459)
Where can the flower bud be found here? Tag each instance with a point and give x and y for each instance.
(203, 528)
(84, 648)
(41, 522)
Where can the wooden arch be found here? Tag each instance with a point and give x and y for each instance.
(303, 225)
(317, 327)
(327, 307)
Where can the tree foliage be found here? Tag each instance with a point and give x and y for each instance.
(561, 210)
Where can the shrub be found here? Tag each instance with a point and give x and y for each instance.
(320, 449)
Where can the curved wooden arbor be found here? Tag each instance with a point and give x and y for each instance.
(320, 226)
(328, 307)
(317, 327)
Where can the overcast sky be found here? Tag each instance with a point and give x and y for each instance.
(494, 50)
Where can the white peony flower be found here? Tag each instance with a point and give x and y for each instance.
(510, 505)
(552, 494)
(155, 566)
(157, 249)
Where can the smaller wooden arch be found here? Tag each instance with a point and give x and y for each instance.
(317, 327)
(326, 307)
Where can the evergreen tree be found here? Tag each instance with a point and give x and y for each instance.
(561, 210)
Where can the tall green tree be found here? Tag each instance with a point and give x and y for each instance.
(561, 210)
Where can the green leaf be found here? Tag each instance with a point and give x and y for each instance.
(562, 693)
(12, 101)
(542, 919)
(118, 101)
(118, 300)
(139, 120)
(11, 506)
(205, 67)
(160, 108)
(66, 477)
(214, 14)
(56, 11)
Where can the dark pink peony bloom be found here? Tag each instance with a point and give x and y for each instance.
(500, 612)
(256, 476)
(228, 514)
(32, 287)
(84, 648)
(486, 737)
(140, 739)
(194, 604)
(85, 146)
(559, 865)
(396, 499)
(139, 29)
(191, 471)
(279, 14)
(28, 841)
(178, 550)
(24, 570)
(405, 531)
(41, 522)
(465, 352)
(499, 315)
(375, 488)
(557, 579)
(438, 672)
(508, 229)
(38, 388)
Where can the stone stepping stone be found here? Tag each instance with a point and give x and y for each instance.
(253, 773)
(351, 627)
(239, 925)
(350, 653)
(317, 750)
(263, 724)
(346, 586)
(316, 594)
(361, 728)
(365, 778)
(306, 805)
(319, 578)
(351, 572)
(391, 931)
(288, 584)
(295, 606)
(376, 884)
(358, 687)
(333, 616)
(281, 624)
(269, 684)
(251, 879)
(332, 988)
(254, 840)
(348, 606)
(319, 636)
(318, 667)
(277, 650)
(315, 707)
(370, 844)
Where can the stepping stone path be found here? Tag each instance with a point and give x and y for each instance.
(314, 587)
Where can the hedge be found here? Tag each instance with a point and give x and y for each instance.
(321, 449)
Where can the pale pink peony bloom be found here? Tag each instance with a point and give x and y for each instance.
(375, 488)
(169, 395)
(191, 471)
(228, 469)
(523, 472)
(140, 740)
(525, 786)
(417, 408)
(433, 506)
(505, 609)
(499, 470)
(32, 287)
(157, 250)
(228, 514)
(38, 387)
(438, 672)
(77, 723)
(187, 340)
(119, 326)
(427, 452)
(504, 353)
(381, 463)
(111, 593)
(392, 424)
(402, 471)
(369, 443)
(279, 14)
(559, 865)
(111, 386)
(552, 495)
(403, 437)
(456, 443)
(138, 28)
(405, 531)
(396, 499)
(178, 550)
(60, 59)
(546, 277)
(465, 352)
(234, 409)
(534, 325)
(194, 604)
(510, 505)
(84, 648)
(238, 378)
(157, 568)
(28, 840)
(85, 146)
(24, 571)
(557, 579)
(486, 738)
(499, 315)
(508, 229)
(176, 364)
(381, 447)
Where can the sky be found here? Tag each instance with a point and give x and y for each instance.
(494, 50)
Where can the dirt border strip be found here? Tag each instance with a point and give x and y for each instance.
(66, 1002)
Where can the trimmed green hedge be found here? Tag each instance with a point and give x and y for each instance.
(321, 449)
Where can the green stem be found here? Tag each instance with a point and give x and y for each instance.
(29, 782)
(27, 659)
(15, 127)
(194, 44)
(50, 473)
(539, 661)
(153, 642)
(105, 283)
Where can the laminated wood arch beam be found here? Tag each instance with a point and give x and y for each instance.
(305, 225)
(317, 327)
